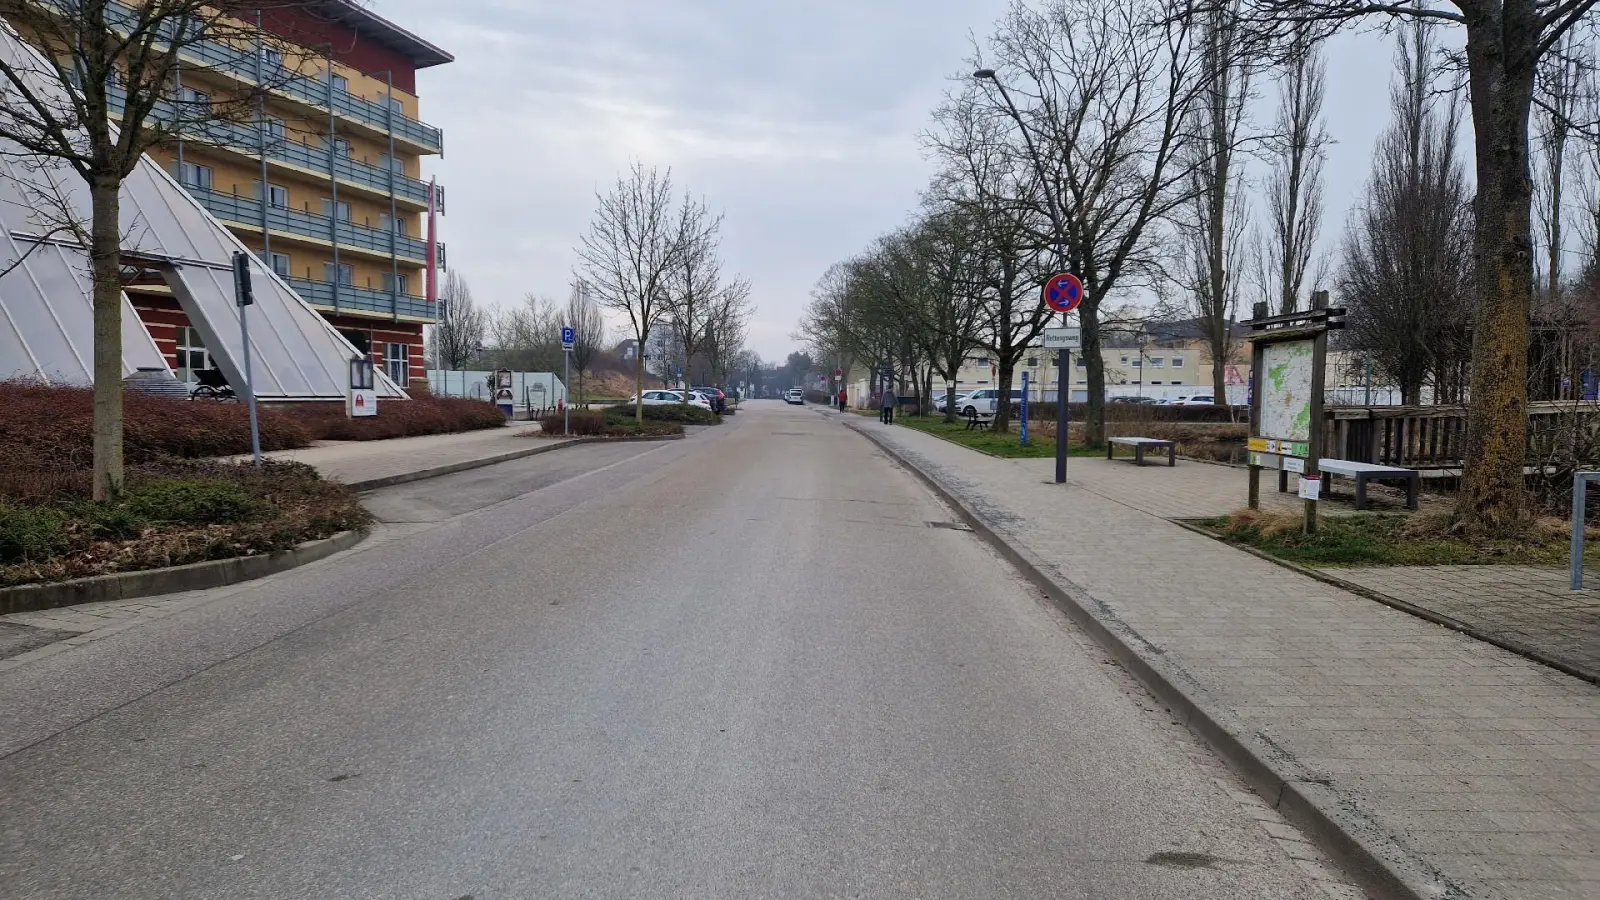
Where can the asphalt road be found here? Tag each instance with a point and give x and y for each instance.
(750, 664)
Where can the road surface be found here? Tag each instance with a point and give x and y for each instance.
(755, 663)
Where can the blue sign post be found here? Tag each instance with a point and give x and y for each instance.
(1022, 434)
(567, 341)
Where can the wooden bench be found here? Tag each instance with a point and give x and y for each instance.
(1362, 473)
(977, 421)
(1139, 444)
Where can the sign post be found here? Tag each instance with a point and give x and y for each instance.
(243, 295)
(1063, 341)
(1022, 427)
(567, 340)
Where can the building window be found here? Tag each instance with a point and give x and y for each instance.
(389, 280)
(1080, 362)
(398, 107)
(347, 275)
(1155, 382)
(200, 100)
(194, 175)
(1177, 363)
(341, 83)
(396, 363)
(277, 130)
(1124, 360)
(393, 163)
(277, 194)
(1177, 382)
(340, 146)
(344, 209)
(1155, 362)
(1138, 363)
(983, 363)
(192, 355)
(399, 224)
(278, 261)
(274, 57)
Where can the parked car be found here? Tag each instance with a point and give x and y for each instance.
(1137, 401)
(719, 400)
(663, 398)
(984, 403)
(794, 397)
(1196, 400)
(939, 399)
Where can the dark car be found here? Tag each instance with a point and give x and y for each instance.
(719, 400)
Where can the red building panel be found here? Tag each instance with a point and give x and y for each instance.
(350, 47)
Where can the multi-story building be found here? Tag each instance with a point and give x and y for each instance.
(338, 143)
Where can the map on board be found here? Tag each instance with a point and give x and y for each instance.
(1286, 370)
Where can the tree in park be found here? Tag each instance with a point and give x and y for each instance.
(1506, 41)
(636, 243)
(458, 338)
(1296, 153)
(103, 91)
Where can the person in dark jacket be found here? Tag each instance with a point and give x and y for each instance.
(888, 405)
(843, 399)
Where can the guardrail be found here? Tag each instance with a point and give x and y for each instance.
(320, 293)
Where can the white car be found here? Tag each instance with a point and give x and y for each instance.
(939, 399)
(663, 398)
(1195, 400)
(984, 403)
(795, 396)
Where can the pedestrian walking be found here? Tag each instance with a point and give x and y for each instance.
(842, 399)
(888, 405)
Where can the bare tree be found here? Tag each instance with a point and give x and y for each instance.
(1407, 271)
(636, 241)
(1216, 232)
(462, 324)
(693, 285)
(1559, 90)
(726, 324)
(1107, 87)
(102, 94)
(588, 331)
(1294, 185)
(1505, 43)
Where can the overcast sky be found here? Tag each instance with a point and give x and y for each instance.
(797, 118)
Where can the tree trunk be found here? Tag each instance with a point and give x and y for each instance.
(1094, 424)
(1492, 485)
(1002, 407)
(950, 402)
(105, 255)
(1219, 371)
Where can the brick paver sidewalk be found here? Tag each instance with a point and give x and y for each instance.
(354, 461)
(1473, 771)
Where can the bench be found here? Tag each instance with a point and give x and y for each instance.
(977, 421)
(1362, 473)
(1139, 444)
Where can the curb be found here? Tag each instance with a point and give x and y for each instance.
(190, 577)
(1421, 612)
(372, 484)
(1306, 800)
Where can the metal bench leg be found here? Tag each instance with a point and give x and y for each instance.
(1172, 454)
(1138, 455)
(1283, 480)
(1109, 445)
(1412, 482)
(1361, 492)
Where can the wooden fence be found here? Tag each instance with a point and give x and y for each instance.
(1424, 437)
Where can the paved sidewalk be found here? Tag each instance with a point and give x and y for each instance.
(1473, 772)
(357, 461)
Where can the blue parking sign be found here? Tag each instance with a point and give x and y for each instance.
(566, 337)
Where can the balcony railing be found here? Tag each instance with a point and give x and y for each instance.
(241, 63)
(243, 138)
(247, 211)
(320, 293)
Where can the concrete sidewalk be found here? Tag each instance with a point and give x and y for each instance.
(369, 464)
(1457, 768)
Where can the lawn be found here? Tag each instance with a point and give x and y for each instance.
(1005, 444)
(1392, 539)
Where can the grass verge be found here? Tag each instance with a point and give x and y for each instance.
(1008, 444)
(1392, 539)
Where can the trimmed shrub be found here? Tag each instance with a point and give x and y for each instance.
(593, 423)
(681, 413)
(30, 533)
(422, 414)
(192, 502)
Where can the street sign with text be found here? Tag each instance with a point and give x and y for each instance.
(1062, 338)
(567, 337)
